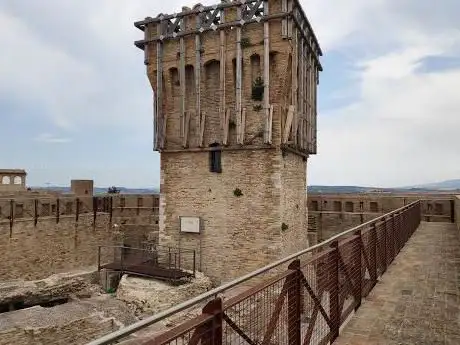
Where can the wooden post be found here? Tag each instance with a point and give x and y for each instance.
(77, 210)
(334, 291)
(358, 268)
(238, 66)
(202, 127)
(198, 113)
(284, 22)
(267, 138)
(161, 119)
(182, 80)
(212, 331)
(110, 210)
(94, 211)
(58, 212)
(295, 63)
(226, 126)
(288, 124)
(222, 109)
(12, 207)
(294, 303)
(35, 212)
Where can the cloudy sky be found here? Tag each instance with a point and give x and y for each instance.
(75, 101)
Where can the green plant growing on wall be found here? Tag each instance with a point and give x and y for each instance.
(237, 192)
(245, 42)
(284, 227)
(257, 107)
(258, 89)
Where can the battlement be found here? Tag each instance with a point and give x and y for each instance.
(236, 75)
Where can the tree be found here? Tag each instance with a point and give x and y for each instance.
(113, 190)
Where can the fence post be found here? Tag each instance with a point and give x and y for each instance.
(35, 212)
(373, 270)
(334, 293)
(212, 330)
(294, 303)
(385, 241)
(58, 211)
(358, 293)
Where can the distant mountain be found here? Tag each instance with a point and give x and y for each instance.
(102, 190)
(444, 185)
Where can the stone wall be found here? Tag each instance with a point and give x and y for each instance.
(238, 240)
(47, 235)
(334, 213)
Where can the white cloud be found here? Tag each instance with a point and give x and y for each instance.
(51, 139)
(403, 128)
(77, 62)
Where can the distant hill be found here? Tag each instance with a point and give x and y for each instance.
(444, 185)
(102, 190)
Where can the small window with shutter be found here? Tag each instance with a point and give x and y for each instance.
(215, 164)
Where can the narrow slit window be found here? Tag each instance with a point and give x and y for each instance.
(215, 164)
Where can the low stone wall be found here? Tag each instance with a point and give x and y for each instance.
(152, 296)
(72, 323)
(59, 286)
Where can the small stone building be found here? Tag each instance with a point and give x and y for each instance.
(12, 180)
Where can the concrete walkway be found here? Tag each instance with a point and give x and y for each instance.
(417, 300)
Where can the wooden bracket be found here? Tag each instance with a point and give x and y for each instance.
(288, 124)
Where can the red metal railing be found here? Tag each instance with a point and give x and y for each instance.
(305, 304)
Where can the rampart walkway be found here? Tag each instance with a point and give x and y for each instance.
(417, 301)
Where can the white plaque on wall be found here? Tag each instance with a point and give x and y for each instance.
(190, 224)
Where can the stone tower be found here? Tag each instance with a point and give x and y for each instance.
(235, 122)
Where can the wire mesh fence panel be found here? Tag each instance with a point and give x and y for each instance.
(304, 303)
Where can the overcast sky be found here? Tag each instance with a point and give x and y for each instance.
(75, 101)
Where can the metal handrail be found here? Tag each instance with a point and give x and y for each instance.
(111, 337)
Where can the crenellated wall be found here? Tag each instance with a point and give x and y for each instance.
(53, 234)
(330, 214)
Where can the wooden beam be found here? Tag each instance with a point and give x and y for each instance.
(266, 74)
(238, 66)
(161, 118)
(222, 108)
(223, 148)
(226, 124)
(146, 46)
(295, 79)
(198, 83)
(315, 110)
(302, 94)
(186, 129)
(308, 106)
(202, 126)
(241, 127)
(182, 81)
(288, 124)
(284, 21)
(270, 125)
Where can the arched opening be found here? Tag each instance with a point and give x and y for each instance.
(174, 80)
(6, 180)
(255, 67)
(17, 180)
